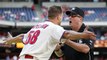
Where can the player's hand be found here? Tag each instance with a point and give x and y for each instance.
(13, 39)
(58, 47)
(7, 42)
(20, 35)
(89, 35)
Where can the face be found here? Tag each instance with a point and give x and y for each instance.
(75, 22)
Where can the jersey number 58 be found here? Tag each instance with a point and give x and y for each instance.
(32, 37)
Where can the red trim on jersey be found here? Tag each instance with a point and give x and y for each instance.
(28, 56)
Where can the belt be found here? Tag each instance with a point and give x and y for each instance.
(29, 57)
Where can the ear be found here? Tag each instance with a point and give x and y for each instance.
(58, 17)
(81, 18)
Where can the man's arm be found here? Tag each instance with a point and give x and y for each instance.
(84, 48)
(78, 47)
(14, 39)
(73, 35)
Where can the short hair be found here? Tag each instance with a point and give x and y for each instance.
(54, 11)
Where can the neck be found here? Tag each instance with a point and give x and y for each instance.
(54, 21)
(78, 27)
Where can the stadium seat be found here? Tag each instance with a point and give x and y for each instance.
(94, 14)
(17, 14)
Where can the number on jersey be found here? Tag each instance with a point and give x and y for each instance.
(32, 37)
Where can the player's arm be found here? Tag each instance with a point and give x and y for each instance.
(73, 35)
(15, 39)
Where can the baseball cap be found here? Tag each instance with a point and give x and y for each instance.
(75, 11)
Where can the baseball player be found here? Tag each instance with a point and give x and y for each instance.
(41, 40)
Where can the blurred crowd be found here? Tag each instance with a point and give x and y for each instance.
(74, 0)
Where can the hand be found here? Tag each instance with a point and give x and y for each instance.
(20, 35)
(89, 34)
(13, 39)
(58, 47)
(7, 43)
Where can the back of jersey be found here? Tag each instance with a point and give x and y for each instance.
(39, 41)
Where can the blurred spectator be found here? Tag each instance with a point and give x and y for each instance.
(98, 33)
(52, 0)
(102, 38)
(95, 0)
(3, 35)
(2, 17)
(17, 17)
(22, 16)
(14, 57)
(67, 0)
(17, 14)
(7, 58)
(105, 44)
(81, 0)
(100, 43)
(33, 7)
(44, 15)
(105, 35)
(12, 17)
(58, 0)
(7, 12)
(65, 8)
(35, 18)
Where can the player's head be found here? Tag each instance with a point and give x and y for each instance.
(55, 13)
(76, 16)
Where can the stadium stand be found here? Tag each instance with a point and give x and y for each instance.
(18, 14)
(94, 14)
(91, 14)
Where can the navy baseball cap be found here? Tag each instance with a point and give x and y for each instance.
(75, 11)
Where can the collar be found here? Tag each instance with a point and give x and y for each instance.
(82, 28)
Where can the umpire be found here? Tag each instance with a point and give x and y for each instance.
(78, 49)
